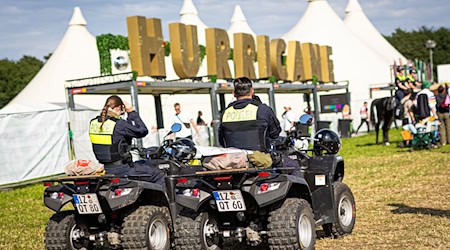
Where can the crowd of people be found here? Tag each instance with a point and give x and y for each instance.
(422, 106)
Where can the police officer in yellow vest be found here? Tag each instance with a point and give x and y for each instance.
(413, 83)
(246, 122)
(110, 136)
(400, 84)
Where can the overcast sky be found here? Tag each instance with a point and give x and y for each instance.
(30, 27)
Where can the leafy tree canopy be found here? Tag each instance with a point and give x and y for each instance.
(411, 44)
(15, 75)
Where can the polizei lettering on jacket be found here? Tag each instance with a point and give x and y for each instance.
(238, 115)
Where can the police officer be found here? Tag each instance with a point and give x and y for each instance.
(110, 137)
(247, 123)
(413, 84)
(401, 84)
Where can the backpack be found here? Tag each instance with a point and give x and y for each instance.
(423, 109)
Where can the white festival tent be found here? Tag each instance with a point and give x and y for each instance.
(239, 25)
(357, 21)
(352, 60)
(34, 125)
(75, 57)
(39, 112)
(189, 15)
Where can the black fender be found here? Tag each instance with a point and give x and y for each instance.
(338, 168)
(321, 173)
(56, 204)
(136, 190)
(288, 185)
(332, 165)
(192, 202)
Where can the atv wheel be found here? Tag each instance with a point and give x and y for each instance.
(63, 232)
(292, 226)
(345, 212)
(148, 227)
(197, 233)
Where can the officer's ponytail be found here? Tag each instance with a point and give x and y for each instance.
(112, 102)
(103, 115)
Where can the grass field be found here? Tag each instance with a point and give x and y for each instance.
(402, 199)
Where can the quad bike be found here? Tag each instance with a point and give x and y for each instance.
(267, 207)
(112, 212)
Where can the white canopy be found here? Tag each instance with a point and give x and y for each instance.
(362, 28)
(75, 57)
(353, 61)
(239, 25)
(189, 15)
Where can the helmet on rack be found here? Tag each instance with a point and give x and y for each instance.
(326, 139)
(183, 150)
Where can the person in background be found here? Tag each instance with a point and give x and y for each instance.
(288, 119)
(364, 114)
(186, 123)
(400, 84)
(408, 110)
(200, 121)
(111, 137)
(346, 112)
(443, 114)
(412, 83)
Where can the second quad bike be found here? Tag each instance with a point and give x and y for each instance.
(278, 207)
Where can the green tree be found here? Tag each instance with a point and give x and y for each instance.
(411, 44)
(15, 75)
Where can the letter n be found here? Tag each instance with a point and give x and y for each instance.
(326, 63)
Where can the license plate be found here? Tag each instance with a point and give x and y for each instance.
(87, 203)
(229, 200)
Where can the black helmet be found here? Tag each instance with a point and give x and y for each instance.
(326, 139)
(183, 150)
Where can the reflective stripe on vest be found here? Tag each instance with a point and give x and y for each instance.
(104, 135)
(239, 115)
(401, 77)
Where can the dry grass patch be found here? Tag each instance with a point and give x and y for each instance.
(402, 201)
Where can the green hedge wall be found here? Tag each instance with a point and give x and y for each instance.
(105, 43)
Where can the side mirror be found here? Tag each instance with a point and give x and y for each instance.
(306, 120)
(176, 127)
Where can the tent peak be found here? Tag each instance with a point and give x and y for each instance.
(238, 15)
(77, 18)
(188, 8)
(353, 5)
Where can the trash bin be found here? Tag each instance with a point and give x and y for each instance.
(323, 124)
(345, 128)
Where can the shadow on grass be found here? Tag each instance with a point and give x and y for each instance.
(405, 209)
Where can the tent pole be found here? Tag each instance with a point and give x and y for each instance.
(135, 103)
(215, 113)
(271, 94)
(222, 102)
(316, 106)
(159, 113)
